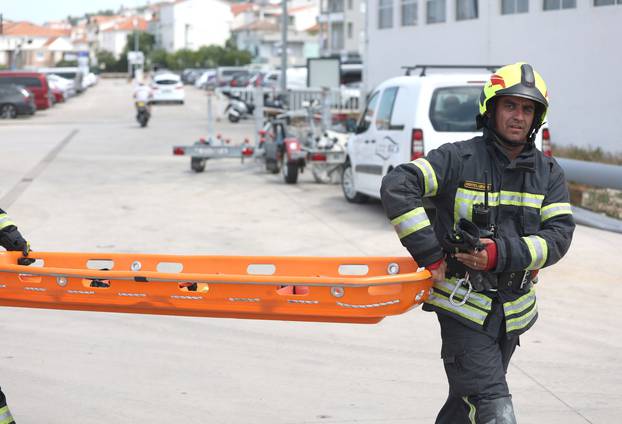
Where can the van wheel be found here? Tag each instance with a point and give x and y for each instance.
(8, 112)
(348, 187)
(197, 164)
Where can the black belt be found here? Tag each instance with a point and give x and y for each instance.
(519, 280)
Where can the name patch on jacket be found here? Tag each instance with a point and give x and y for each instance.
(474, 185)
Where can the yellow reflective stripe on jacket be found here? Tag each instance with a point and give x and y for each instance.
(521, 304)
(554, 209)
(477, 299)
(465, 199)
(429, 176)
(410, 222)
(538, 251)
(5, 415)
(465, 311)
(5, 221)
(515, 198)
(521, 321)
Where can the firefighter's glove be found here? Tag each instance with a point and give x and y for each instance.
(12, 240)
(464, 238)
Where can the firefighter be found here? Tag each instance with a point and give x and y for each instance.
(10, 239)
(529, 226)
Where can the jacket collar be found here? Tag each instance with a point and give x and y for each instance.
(525, 161)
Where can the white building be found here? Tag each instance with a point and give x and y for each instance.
(257, 29)
(190, 24)
(343, 28)
(573, 44)
(114, 36)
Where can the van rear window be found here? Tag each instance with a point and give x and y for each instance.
(453, 109)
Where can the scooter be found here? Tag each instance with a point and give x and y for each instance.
(142, 113)
(238, 108)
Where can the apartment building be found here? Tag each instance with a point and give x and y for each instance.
(257, 29)
(573, 43)
(344, 27)
(190, 24)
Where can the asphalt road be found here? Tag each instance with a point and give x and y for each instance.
(84, 177)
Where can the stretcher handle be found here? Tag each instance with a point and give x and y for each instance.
(154, 276)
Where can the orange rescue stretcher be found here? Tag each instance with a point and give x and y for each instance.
(328, 289)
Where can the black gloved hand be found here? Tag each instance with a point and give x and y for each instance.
(465, 238)
(12, 240)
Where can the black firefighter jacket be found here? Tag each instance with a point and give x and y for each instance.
(530, 208)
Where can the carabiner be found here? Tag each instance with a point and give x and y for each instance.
(459, 284)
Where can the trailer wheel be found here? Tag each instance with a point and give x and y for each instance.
(197, 164)
(290, 172)
(348, 187)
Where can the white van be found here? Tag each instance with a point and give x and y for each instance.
(406, 117)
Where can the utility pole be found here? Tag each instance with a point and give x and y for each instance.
(135, 65)
(284, 22)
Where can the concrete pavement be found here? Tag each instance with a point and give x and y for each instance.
(84, 177)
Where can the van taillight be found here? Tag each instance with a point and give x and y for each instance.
(416, 151)
(546, 142)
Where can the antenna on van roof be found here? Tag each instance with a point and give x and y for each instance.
(424, 68)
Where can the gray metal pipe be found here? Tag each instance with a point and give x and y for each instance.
(592, 173)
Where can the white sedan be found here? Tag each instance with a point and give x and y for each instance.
(167, 88)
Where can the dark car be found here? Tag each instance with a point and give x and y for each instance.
(35, 82)
(16, 100)
(240, 80)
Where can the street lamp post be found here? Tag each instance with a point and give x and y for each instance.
(284, 22)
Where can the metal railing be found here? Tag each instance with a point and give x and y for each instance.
(592, 173)
(295, 99)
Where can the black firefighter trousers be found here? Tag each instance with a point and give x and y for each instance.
(476, 363)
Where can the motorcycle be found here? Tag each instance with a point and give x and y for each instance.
(238, 108)
(142, 113)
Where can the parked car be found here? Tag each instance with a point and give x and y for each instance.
(67, 86)
(224, 74)
(406, 117)
(16, 100)
(208, 77)
(35, 82)
(90, 79)
(240, 79)
(72, 73)
(266, 79)
(167, 87)
(58, 94)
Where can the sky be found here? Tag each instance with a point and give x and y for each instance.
(40, 11)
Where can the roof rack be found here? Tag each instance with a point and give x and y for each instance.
(423, 68)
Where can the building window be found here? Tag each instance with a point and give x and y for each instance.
(336, 34)
(509, 7)
(435, 10)
(385, 14)
(335, 6)
(559, 4)
(466, 9)
(349, 4)
(606, 2)
(409, 12)
(350, 30)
